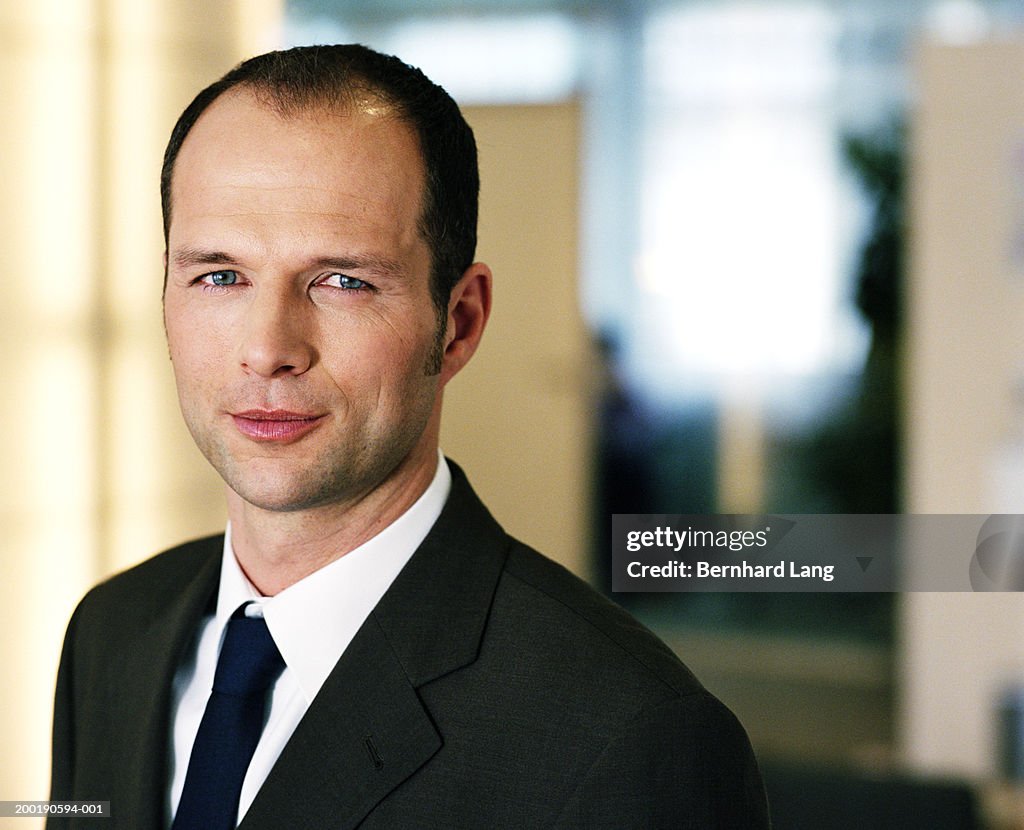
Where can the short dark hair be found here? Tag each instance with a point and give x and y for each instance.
(308, 77)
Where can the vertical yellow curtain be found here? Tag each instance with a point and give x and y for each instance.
(97, 471)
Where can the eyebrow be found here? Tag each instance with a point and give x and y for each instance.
(359, 262)
(188, 256)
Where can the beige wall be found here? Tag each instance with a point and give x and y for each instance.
(519, 417)
(965, 365)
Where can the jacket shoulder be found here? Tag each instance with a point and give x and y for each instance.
(593, 626)
(135, 595)
(643, 709)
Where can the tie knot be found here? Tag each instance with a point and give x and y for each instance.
(249, 660)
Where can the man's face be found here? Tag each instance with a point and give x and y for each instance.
(297, 306)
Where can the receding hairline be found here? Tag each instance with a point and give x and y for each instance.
(366, 100)
(294, 108)
(292, 100)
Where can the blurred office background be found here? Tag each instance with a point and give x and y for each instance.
(750, 256)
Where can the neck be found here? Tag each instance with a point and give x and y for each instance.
(276, 549)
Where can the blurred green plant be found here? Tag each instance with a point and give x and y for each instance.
(854, 458)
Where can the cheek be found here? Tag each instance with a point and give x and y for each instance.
(186, 351)
(197, 336)
(196, 359)
(380, 373)
(373, 343)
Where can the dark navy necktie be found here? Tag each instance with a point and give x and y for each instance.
(249, 663)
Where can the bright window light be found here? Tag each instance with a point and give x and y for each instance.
(486, 60)
(741, 256)
(494, 60)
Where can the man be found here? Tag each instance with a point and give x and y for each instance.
(422, 668)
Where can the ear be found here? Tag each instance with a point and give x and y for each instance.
(468, 309)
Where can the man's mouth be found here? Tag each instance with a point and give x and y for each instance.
(275, 424)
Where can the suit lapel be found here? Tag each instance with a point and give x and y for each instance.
(364, 734)
(367, 730)
(435, 612)
(146, 682)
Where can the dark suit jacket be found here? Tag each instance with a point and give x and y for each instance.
(488, 689)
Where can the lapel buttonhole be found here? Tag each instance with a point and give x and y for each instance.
(371, 748)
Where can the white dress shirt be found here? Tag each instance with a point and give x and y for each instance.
(312, 623)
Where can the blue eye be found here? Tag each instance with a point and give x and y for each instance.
(347, 282)
(221, 278)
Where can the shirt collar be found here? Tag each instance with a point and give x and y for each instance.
(313, 621)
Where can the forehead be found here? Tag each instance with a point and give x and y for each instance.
(360, 161)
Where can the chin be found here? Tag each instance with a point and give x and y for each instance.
(281, 495)
(275, 492)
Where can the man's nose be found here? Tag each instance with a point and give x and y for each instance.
(275, 339)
